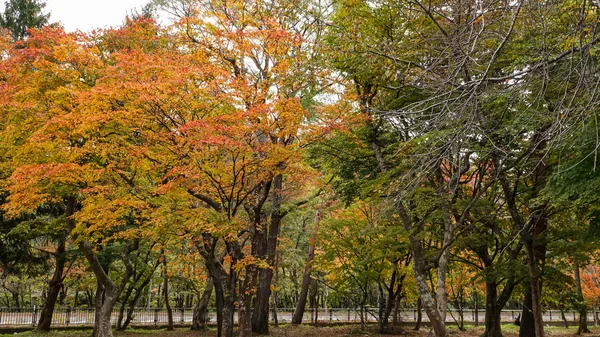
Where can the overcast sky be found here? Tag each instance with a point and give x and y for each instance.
(86, 15)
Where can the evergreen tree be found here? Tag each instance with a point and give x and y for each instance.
(20, 15)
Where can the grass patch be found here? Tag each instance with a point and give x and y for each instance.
(289, 330)
(55, 333)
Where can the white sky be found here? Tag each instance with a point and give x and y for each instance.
(86, 15)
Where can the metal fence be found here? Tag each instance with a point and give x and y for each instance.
(155, 316)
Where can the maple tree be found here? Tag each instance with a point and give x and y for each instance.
(75, 151)
(241, 155)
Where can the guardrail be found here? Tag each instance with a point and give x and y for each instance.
(158, 316)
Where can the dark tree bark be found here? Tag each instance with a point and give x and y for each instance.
(98, 300)
(268, 242)
(392, 293)
(532, 318)
(494, 305)
(494, 302)
(54, 287)
(134, 301)
(301, 304)
(224, 299)
(166, 291)
(396, 317)
(56, 283)
(527, 328)
(419, 315)
(123, 307)
(562, 315)
(138, 291)
(476, 310)
(224, 282)
(532, 236)
(200, 314)
(581, 305)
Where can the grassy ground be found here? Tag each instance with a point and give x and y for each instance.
(509, 330)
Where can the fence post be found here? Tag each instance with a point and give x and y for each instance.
(330, 315)
(68, 319)
(155, 316)
(348, 315)
(182, 315)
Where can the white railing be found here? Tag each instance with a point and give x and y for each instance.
(155, 316)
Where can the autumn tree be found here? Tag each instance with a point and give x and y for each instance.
(252, 126)
(75, 149)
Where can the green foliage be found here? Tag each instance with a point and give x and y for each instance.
(21, 15)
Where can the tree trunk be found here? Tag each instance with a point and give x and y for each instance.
(89, 298)
(392, 294)
(301, 304)
(123, 306)
(536, 300)
(111, 291)
(362, 317)
(396, 317)
(527, 328)
(260, 314)
(495, 303)
(419, 315)
(54, 287)
(492, 312)
(136, 299)
(56, 283)
(247, 285)
(441, 295)
(563, 317)
(476, 310)
(224, 285)
(314, 300)
(98, 300)
(536, 253)
(200, 315)
(103, 327)
(581, 305)
(420, 269)
(166, 292)
(131, 308)
(493, 324)
(274, 305)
